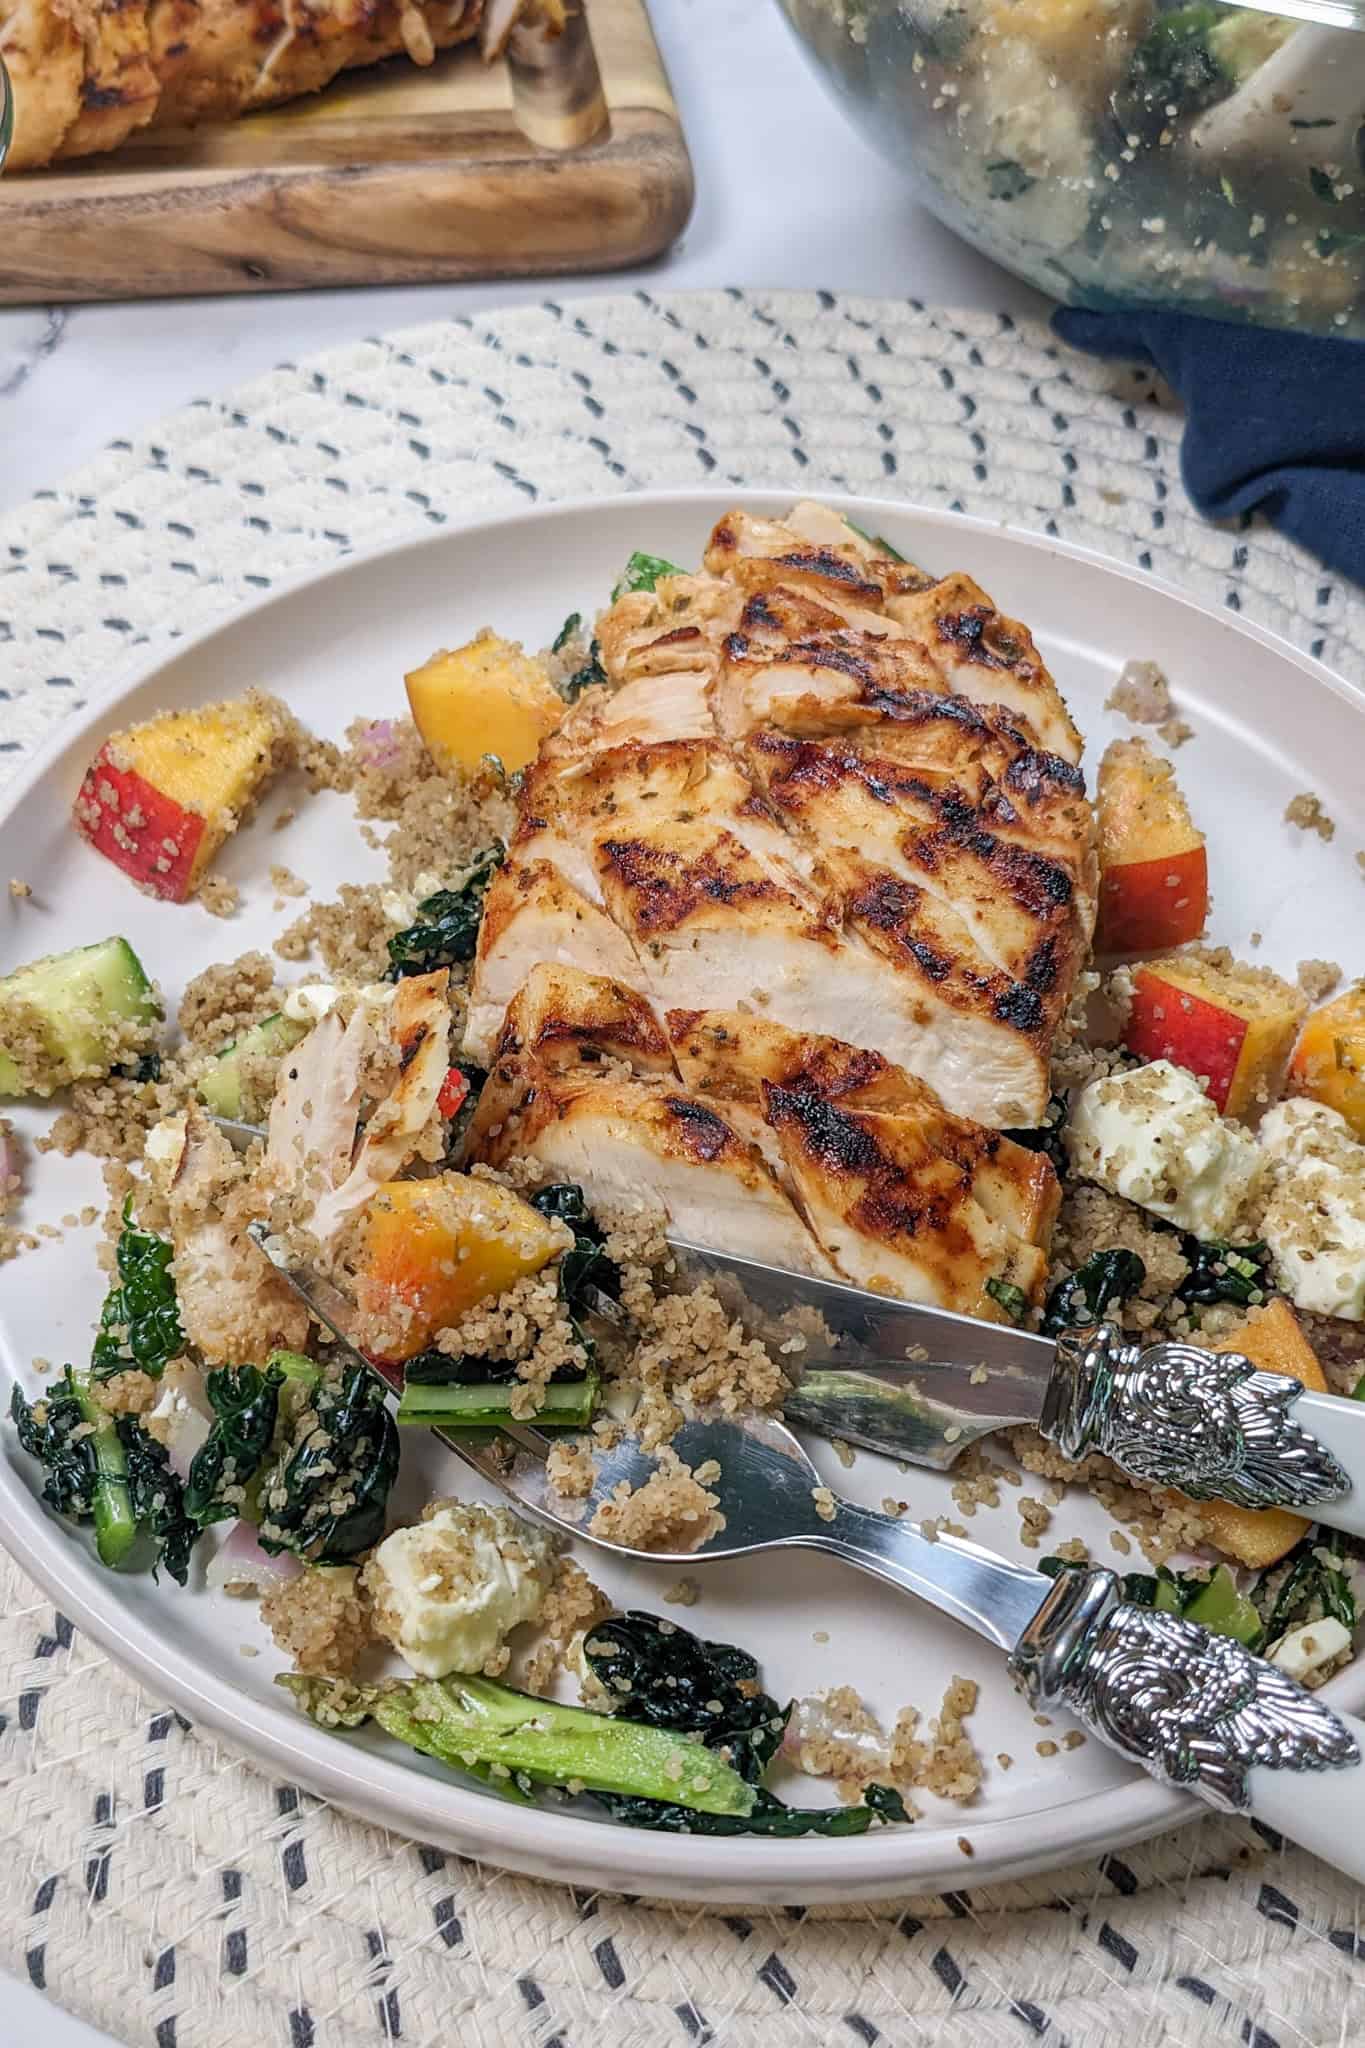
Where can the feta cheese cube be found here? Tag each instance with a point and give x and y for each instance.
(1151, 1135)
(1314, 1221)
(1306, 1651)
(448, 1591)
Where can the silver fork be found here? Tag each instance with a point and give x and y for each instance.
(1196, 1711)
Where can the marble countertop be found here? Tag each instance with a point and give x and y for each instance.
(787, 195)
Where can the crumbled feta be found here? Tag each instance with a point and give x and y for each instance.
(164, 1148)
(311, 1001)
(1314, 1221)
(1310, 1649)
(449, 1590)
(1151, 1135)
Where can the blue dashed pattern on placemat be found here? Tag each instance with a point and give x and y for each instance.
(167, 1890)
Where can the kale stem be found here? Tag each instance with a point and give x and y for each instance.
(115, 1523)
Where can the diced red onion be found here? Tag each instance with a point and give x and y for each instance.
(241, 1562)
(378, 746)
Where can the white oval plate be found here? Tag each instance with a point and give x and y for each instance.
(1268, 723)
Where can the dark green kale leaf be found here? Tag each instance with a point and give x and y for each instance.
(666, 1677)
(157, 1499)
(140, 1322)
(1174, 65)
(246, 1406)
(1084, 1297)
(1006, 179)
(592, 671)
(106, 1470)
(1012, 1299)
(1311, 1582)
(326, 1502)
(1220, 1271)
(566, 632)
(586, 1263)
(642, 572)
(47, 1429)
(1323, 186)
(447, 928)
(1047, 1136)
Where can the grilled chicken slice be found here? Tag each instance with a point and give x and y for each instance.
(737, 1060)
(620, 1139)
(571, 1020)
(1018, 905)
(794, 662)
(532, 914)
(45, 56)
(233, 1304)
(899, 1216)
(988, 658)
(89, 73)
(978, 652)
(848, 1165)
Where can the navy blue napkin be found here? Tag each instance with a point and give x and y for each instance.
(1275, 422)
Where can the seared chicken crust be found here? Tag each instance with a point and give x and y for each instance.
(821, 781)
(793, 1148)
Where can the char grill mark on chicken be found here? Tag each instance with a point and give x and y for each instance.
(796, 1149)
(783, 799)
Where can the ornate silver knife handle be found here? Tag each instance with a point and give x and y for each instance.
(1195, 1710)
(1206, 1421)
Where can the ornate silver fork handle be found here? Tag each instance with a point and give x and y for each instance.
(1206, 1421)
(1197, 1711)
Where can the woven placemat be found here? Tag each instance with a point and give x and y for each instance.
(151, 1879)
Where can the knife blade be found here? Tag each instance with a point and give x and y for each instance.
(921, 1384)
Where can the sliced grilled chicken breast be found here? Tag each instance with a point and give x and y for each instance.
(898, 1216)
(44, 54)
(801, 794)
(532, 914)
(623, 1140)
(791, 1147)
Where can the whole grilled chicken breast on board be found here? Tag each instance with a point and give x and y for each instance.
(823, 787)
(89, 73)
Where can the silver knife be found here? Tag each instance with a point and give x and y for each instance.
(922, 1383)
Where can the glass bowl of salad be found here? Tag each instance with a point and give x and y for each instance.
(1194, 155)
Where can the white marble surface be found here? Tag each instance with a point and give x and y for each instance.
(787, 195)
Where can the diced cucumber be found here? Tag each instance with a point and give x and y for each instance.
(485, 1404)
(1221, 1609)
(79, 999)
(220, 1086)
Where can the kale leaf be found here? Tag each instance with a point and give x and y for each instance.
(326, 1502)
(447, 928)
(642, 572)
(1311, 1582)
(1047, 1136)
(586, 1263)
(106, 1470)
(1007, 179)
(157, 1499)
(1173, 65)
(571, 625)
(246, 1406)
(592, 671)
(1084, 1297)
(47, 1430)
(664, 1676)
(1220, 1271)
(140, 1322)
(1012, 1299)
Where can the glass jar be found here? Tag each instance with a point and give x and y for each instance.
(1126, 152)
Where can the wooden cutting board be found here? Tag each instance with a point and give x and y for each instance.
(392, 175)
